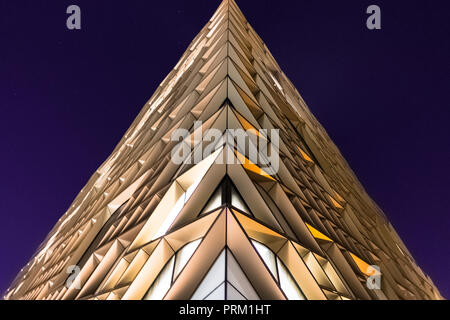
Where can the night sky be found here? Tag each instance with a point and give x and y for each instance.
(67, 97)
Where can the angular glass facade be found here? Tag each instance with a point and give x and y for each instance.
(148, 227)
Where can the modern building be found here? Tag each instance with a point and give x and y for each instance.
(207, 219)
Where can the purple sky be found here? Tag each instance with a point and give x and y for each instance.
(67, 97)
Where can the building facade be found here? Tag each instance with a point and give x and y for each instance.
(224, 187)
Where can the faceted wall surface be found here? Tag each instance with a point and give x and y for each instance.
(224, 227)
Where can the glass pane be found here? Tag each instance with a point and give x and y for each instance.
(288, 284)
(237, 202)
(233, 294)
(214, 202)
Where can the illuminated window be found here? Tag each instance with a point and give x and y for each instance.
(250, 166)
(363, 266)
(214, 278)
(184, 255)
(317, 234)
(288, 284)
(237, 202)
(268, 257)
(225, 273)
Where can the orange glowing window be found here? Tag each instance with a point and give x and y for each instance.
(317, 234)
